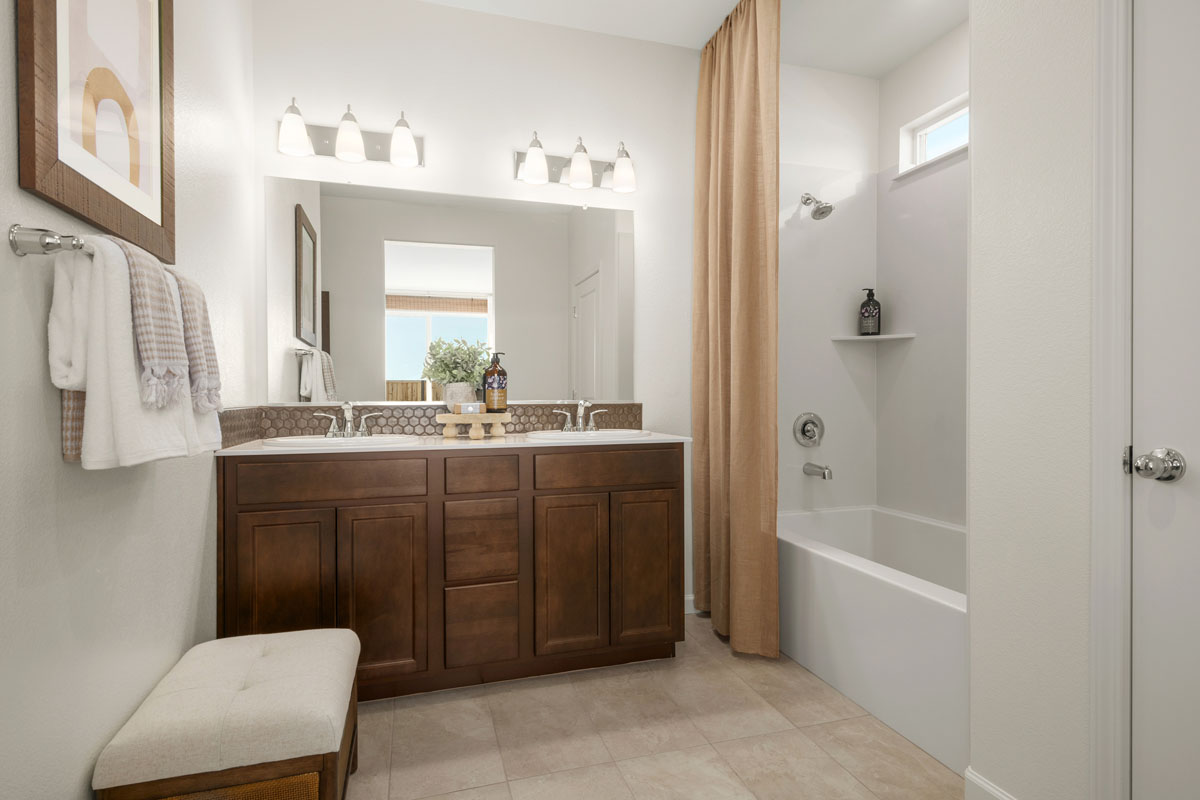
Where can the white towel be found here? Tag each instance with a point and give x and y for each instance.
(316, 377)
(118, 430)
(68, 325)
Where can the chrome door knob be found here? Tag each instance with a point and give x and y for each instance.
(1163, 464)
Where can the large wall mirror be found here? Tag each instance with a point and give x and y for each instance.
(550, 286)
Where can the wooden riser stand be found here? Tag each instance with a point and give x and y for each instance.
(493, 422)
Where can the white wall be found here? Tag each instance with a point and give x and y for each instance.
(107, 577)
(922, 283)
(936, 75)
(531, 269)
(476, 86)
(828, 146)
(279, 234)
(1032, 69)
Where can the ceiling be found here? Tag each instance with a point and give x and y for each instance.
(861, 37)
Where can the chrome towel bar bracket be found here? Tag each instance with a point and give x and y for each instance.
(41, 242)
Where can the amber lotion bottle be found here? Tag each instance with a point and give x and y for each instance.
(495, 386)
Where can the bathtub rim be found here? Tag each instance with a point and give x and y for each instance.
(902, 580)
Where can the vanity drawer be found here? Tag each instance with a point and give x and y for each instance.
(304, 481)
(606, 468)
(469, 474)
(481, 539)
(481, 624)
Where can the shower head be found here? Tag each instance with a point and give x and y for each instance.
(820, 210)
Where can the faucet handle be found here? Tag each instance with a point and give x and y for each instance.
(362, 422)
(567, 425)
(333, 430)
(591, 426)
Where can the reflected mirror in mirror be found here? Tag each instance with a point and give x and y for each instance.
(550, 286)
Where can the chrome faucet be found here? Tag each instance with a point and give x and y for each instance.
(568, 424)
(583, 404)
(333, 432)
(348, 415)
(346, 430)
(591, 426)
(818, 471)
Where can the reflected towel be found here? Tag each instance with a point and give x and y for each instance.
(156, 328)
(317, 383)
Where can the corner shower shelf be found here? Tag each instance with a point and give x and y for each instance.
(882, 336)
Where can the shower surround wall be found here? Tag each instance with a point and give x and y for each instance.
(894, 410)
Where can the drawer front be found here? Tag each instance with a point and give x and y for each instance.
(481, 538)
(606, 468)
(304, 481)
(481, 624)
(467, 474)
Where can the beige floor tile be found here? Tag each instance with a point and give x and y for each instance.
(602, 782)
(497, 791)
(795, 692)
(699, 637)
(788, 765)
(633, 713)
(374, 751)
(443, 742)
(698, 773)
(888, 764)
(718, 702)
(543, 726)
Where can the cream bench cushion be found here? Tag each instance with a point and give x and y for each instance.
(238, 701)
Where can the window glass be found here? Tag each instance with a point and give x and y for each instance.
(946, 136)
(406, 347)
(452, 326)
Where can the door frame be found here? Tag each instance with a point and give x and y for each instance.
(1112, 388)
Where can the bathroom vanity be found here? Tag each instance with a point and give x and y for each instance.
(458, 562)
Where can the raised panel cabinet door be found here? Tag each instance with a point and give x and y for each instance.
(647, 567)
(382, 560)
(570, 567)
(285, 570)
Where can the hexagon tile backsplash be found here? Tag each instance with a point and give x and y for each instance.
(245, 424)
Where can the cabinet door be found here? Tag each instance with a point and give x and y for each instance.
(647, 567)
(285, 570)
(570, 565)
(382, 585)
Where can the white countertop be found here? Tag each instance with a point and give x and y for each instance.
(365, 445)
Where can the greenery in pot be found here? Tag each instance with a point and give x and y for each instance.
(456, 361)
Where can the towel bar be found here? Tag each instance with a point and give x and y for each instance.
(40, 241)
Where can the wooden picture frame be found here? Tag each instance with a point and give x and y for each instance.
(139, 205)
(307, 307)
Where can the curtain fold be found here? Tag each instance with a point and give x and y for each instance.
(735, 333)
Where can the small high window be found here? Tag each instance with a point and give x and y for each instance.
(943, 130)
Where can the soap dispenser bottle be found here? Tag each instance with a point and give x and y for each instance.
(870, 315)
(495, 386)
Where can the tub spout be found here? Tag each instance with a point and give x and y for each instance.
(818, 470)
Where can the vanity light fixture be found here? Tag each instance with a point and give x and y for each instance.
(349, 146)
(581, 167)
(606, 177)
(624, 179)
(535, 171)
(403, 152)
(293, 135)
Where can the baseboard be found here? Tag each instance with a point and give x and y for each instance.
(689, 604)
(980, 788)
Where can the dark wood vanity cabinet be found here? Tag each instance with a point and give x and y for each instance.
(456, 567)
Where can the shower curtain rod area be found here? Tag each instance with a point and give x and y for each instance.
(26, 241)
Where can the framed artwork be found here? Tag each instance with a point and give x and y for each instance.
(306, 279)
(96, 114)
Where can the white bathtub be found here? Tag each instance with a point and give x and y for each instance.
(871, 601)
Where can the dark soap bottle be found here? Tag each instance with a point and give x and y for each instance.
(870, 315)
(495, 387)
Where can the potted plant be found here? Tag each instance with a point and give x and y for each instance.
(458, 366)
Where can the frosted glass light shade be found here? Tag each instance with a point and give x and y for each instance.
(606, 178)
(581, 167)
(349, 144)
(535, 170)
(624, 178)
(293, 136)
(403, 152)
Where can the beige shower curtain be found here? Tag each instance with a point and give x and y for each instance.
(735, 340)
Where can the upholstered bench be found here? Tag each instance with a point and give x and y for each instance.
(268, 717)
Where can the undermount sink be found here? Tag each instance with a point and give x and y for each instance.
(602, 435)
(382, 440)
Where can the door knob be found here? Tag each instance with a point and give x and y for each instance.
(1163, 464)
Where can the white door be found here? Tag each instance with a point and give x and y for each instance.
(1166, 400)
(585, 328)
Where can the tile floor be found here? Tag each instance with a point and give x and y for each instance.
(706, 724)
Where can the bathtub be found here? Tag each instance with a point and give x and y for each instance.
(872, 601)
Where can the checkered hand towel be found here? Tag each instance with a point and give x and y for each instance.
(201, 351)
(327, 375)
(156, 329)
